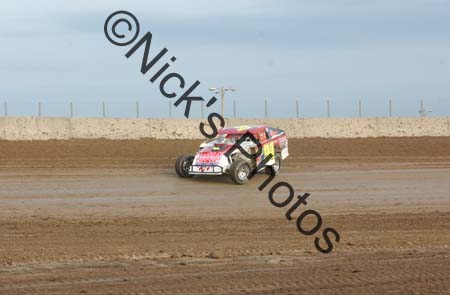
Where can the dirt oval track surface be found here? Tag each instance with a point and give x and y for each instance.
(111, 217)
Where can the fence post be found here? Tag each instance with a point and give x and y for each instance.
(328, 108)
(359, 108)
(390, 108)
(265, 108)
(202, 109)
(234, 108)
(103, 109)
(39, 109)
(137, 109)
(296, 109)
(5, 105)
(71, 109)
(170, 109)
(422, 111)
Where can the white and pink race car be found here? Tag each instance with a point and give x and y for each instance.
(221, 155)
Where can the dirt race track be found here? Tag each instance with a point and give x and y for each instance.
(111, 217)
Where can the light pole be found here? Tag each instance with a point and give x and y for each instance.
(222, 91)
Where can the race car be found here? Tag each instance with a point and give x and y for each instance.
(212, 158)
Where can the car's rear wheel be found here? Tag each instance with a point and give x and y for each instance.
(183, 164)
(239, 171)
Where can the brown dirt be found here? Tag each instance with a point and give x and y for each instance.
(110, 217)
(150, 151)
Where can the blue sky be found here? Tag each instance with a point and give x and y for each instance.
(56, 52)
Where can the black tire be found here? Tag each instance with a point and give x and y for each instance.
(277, 166)
(183, 164)
(239, 171)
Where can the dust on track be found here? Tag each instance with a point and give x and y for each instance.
(110, 217)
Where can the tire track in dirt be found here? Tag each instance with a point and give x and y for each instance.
(256, 276)
(80, 230)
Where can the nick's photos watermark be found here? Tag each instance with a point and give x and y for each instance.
(127, 36)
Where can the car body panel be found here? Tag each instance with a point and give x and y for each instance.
(211, 158)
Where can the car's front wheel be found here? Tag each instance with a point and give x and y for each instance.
(276, 166)
(239, 171)
(183, 164)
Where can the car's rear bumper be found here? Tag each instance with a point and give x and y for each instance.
(205, 170)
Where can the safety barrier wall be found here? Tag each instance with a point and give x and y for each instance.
(45, 128)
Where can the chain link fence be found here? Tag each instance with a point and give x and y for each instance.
(262, 108)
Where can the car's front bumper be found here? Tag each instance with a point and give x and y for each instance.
(205, 170)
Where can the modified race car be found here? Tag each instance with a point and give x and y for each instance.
(211, 159)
